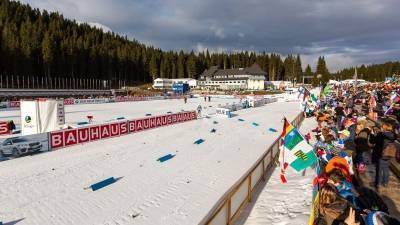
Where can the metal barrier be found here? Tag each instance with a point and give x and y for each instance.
(227, 209)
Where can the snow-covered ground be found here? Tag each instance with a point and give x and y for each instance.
(49, 188)
(130, 110)
(282, 204)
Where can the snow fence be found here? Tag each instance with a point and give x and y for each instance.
(229, 206)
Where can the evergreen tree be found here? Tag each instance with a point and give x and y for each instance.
(322, 70)
(48, 49)
(154, 70)
(298, 69)
(181, 65)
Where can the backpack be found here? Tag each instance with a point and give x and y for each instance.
(390, 151)
(369, 199)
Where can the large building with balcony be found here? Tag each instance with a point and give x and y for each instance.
(249, 78)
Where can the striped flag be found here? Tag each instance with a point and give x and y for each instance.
(305, 94)
(394, 97)
(298, 153)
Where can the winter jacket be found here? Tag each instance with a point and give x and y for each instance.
(380, 140)
(345, 191)
(361, 141)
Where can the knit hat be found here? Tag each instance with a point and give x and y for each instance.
(346, 133)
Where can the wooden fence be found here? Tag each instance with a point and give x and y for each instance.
(240, 194)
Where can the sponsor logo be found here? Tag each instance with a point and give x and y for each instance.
(28, 119)
(4, 128)
(60, 139)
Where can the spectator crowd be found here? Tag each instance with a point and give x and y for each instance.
(358, 128)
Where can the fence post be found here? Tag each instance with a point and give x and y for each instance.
(249, 190)
(263, 169)
(229, 206)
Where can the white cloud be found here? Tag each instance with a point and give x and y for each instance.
(218, 32)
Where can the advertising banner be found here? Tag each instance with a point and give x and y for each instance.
(4, 128)
(4, 105)
(14, 104)
(69, 101)
(65, 138)
(40, 116)
(60, 113)
(15, 147)
(29, 118)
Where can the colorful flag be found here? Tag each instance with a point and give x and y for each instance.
(314, 98)
(306, 93)
(389, 110)
(394, 97)
(327, 90)
(298, 153)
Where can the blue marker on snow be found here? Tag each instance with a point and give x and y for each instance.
(213, 130)
(255, 124)
(148, 114)
(241, 120)
(103, 183)
(199, 141)
(272, 130)
(165, 158)
(215, 122)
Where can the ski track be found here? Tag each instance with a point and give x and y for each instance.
(49, 188)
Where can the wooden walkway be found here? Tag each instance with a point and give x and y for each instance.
(390, 194)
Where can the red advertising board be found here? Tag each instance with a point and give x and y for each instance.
(68, 101)
(4, 128)
(60, 139)
(14, 104)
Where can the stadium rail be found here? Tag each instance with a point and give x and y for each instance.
(229, 206)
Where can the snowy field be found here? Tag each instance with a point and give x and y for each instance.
(276, 203)
(49, 188)
(130, 110)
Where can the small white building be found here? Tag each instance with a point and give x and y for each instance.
(164, 83)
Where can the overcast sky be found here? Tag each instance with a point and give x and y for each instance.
(347, 32)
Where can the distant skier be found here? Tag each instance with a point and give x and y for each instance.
(199, 108)
(209, 98)
(205, 98)
(185, 99)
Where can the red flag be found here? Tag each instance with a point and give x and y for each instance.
(286, 124)
(306, 94)
(283, 179)
(283, 169)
